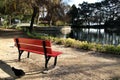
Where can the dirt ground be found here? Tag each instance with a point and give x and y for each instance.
(73, 64)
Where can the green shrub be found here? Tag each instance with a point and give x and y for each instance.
(92, 46)
(69, 42)
(76, 44)
(86, 46)
(117, 50)
(99, 47)
(110, 48)
(59, 23)
(52, 38)
(83, 45)
(59, 41)
(5, 24)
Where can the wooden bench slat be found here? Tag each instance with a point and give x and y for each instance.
(33, 51)
(30, 41)
(35, 48)
(33, 41)
(54, 53)
(31, 47)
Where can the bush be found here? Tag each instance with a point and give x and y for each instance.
(59, 41)
(59, 23)
(86, 46)
(109, 48)
(5, 24)
(99, 48)
(117, 49)
(69, 42)
(78, 44)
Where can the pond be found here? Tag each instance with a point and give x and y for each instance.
(95, 35)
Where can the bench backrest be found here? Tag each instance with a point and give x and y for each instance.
(34, 45)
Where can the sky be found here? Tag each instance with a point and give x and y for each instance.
(76, 2)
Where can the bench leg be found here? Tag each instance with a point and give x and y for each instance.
(20, 53)
(55, 61)
(46, 62)
(28, 55)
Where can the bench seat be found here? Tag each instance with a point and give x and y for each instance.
(54, 53)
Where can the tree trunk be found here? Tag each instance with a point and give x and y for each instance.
(0, 21)
(10, 22)
(33, 18)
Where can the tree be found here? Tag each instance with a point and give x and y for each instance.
(85, 12)
(73, 14)
(66, 18)
(99, 12)
(14, 9)
(53, 9)
(2, 7)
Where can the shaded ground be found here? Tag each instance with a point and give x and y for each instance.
(11, 33)
(73, 64)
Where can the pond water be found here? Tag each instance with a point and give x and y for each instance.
(96, 35)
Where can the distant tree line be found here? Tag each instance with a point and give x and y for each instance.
(105, 12)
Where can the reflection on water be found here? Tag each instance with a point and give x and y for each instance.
(96, 35)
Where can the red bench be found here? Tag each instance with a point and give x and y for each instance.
(36, 46)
